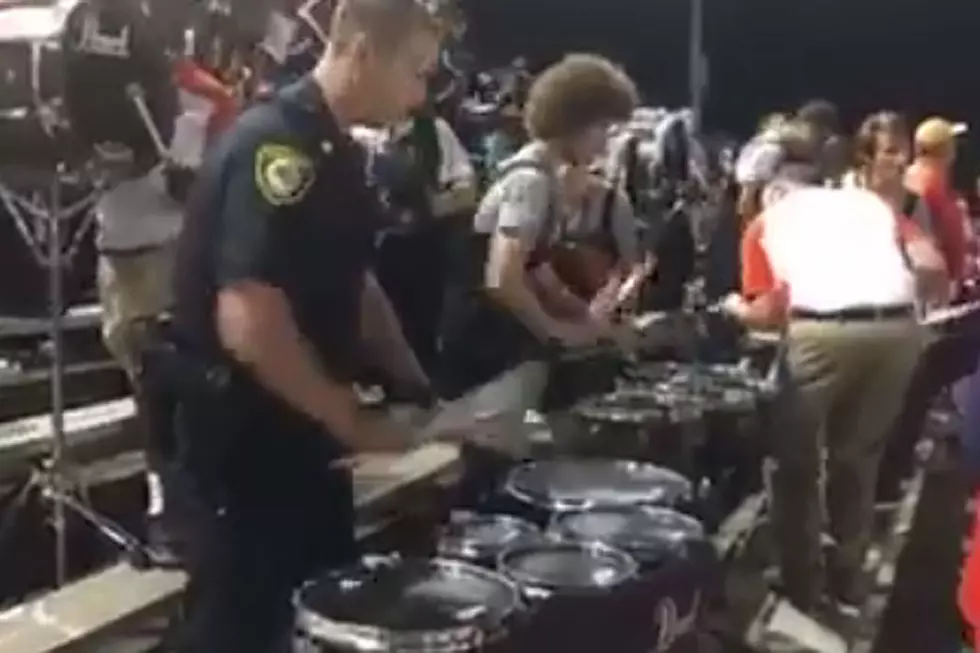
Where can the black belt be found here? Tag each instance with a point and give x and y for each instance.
(855, 314)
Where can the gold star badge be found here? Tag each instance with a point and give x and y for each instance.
(283, 174)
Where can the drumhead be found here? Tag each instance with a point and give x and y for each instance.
(567, 566)
(638, 405)
(407, 605)
(649, 533)
(472, 536)
(580, 484)
(713, 386)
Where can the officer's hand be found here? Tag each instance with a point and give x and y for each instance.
(415, 394)
(379, 434)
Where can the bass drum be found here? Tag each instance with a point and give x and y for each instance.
(406, 606)
(33, 132)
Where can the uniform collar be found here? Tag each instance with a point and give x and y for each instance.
(305, 95)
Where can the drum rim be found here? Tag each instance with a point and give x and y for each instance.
(455, 639)
(631, 567)
(731, 399)
(559, 525)
(687, 409)
(470, 547)
(565, 505)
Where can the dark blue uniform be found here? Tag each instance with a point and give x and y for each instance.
(283, 202)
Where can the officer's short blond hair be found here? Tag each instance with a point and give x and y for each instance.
(387, 23)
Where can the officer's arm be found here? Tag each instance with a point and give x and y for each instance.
(381, 332)
(254, 318)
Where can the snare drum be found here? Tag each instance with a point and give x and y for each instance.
(542, 489)
(480, 539)
(650, 534)
(406, 606)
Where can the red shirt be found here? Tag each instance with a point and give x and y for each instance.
(931, 183)
(193, 79)
(969, 594)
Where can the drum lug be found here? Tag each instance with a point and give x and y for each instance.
(375, 560)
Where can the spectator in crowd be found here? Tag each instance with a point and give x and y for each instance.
(929, 177)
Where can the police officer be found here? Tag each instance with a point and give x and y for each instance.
(276, 310)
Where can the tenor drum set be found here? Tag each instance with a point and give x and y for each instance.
(584, 552)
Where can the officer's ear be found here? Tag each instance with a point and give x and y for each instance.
(362, 51)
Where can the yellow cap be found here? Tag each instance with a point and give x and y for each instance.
(938, 132)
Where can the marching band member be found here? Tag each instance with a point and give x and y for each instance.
(276, 313)
(599, 256)
(507, 301)
(138, 217)
(427, 177)
(847, 303)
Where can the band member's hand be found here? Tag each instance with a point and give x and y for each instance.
(575, 334)
(626, 338)
(733, 304)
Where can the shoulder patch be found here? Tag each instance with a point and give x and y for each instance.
(283, 174)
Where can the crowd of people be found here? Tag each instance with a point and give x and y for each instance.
(339, 227)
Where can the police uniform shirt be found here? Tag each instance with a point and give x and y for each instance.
(282, 202)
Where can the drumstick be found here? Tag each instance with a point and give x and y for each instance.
(138, 97)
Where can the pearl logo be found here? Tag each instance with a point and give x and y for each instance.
(670, 626)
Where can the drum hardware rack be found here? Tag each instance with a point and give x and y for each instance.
(52, 479)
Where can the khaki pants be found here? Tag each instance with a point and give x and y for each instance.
(133, 287)
(847, 382)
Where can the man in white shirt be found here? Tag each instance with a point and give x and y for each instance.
(839, 270)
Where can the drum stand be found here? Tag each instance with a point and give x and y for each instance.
(40, 222)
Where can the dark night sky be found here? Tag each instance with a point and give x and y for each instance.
(917, 56)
